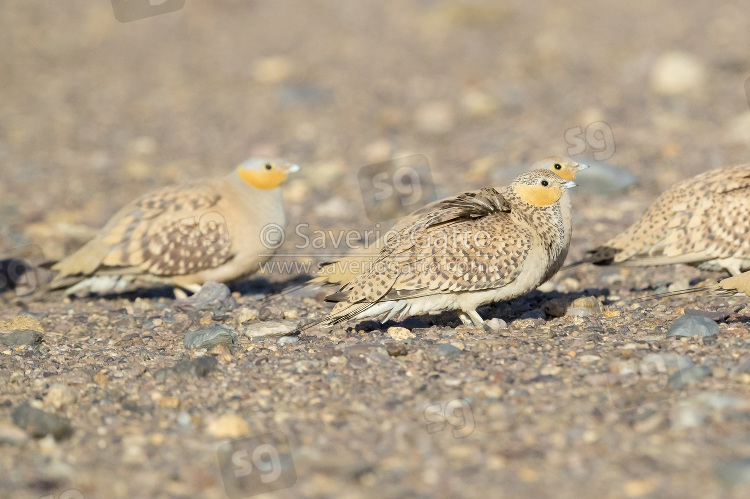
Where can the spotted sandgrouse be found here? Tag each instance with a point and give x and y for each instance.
(186, 234)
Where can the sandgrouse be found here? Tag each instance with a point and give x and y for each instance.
(466, 251)
(702, 221)
(184, 235)
(347, 268)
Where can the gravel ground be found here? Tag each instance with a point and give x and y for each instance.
(599, 397)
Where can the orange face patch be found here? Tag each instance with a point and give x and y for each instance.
(539, 195)
(263, 179)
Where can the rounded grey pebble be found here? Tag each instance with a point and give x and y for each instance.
(688, 326)
(448, 350)
(19, 337)
(209, 337)
(287, 339)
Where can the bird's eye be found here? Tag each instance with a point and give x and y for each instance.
(545, 183)
(269, 166)
(558, 166)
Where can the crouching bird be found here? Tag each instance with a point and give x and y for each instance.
(701, 221)
(465, 251)
(341, 271)
(186, 234)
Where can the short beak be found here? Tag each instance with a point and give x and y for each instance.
(582, 166)
(293, 169)
(569, 184)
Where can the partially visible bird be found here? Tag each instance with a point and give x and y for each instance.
(345, 269)
(466, 251)
(702, 221)
(186, 234)
(728, 286)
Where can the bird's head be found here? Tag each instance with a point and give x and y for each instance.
(265, 173)
(562, 165)
(540, 187)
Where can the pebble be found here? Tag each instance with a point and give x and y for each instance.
(589, 303)
(675, 73)
(496, 324)
(735, 472)
(245, 314)
(199, 367)
(38, 423)
(400, 333)
(435, 117)
(537, 313)
(396, 349)
(448, 350)
(22, 321)
(577, 312)
(208, 337)
(269, 328)
(718, 316)
(20, 337)
(287, 339)
(688, 326)
(60, 395)
(228, 426)
(270, 312)
(213, 296)
(12, 435)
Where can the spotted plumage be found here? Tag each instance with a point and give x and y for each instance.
(702, 221)
(186, 234)
(345, 269)
(466, 251)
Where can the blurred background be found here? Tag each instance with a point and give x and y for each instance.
(96, 112)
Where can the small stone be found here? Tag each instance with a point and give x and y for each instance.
(496, 324)
(270, 328)
(291, 314)
(272, 69)
(199, 367)
(688, 326)
(270, 312)
(735, 472)
(448, 350)
(589, 359)
(22, 321)
(245, 315)
(555, 307)
(12, 435)
(676, 73)
(228, 426)
(213, 296)
(714, 316)
(400, 333)
(209, 337)
(590, 303)
(396, 349)
(287, 339)
(60, 395)
(20, 337)
(639, 488)
(435, 117)
(38, 423)
(537, 313)
(578, 312)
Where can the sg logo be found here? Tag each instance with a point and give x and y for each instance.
(456, 413)
(257, 465)
(397, 187)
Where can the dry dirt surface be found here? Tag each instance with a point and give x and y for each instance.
(107, 397)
